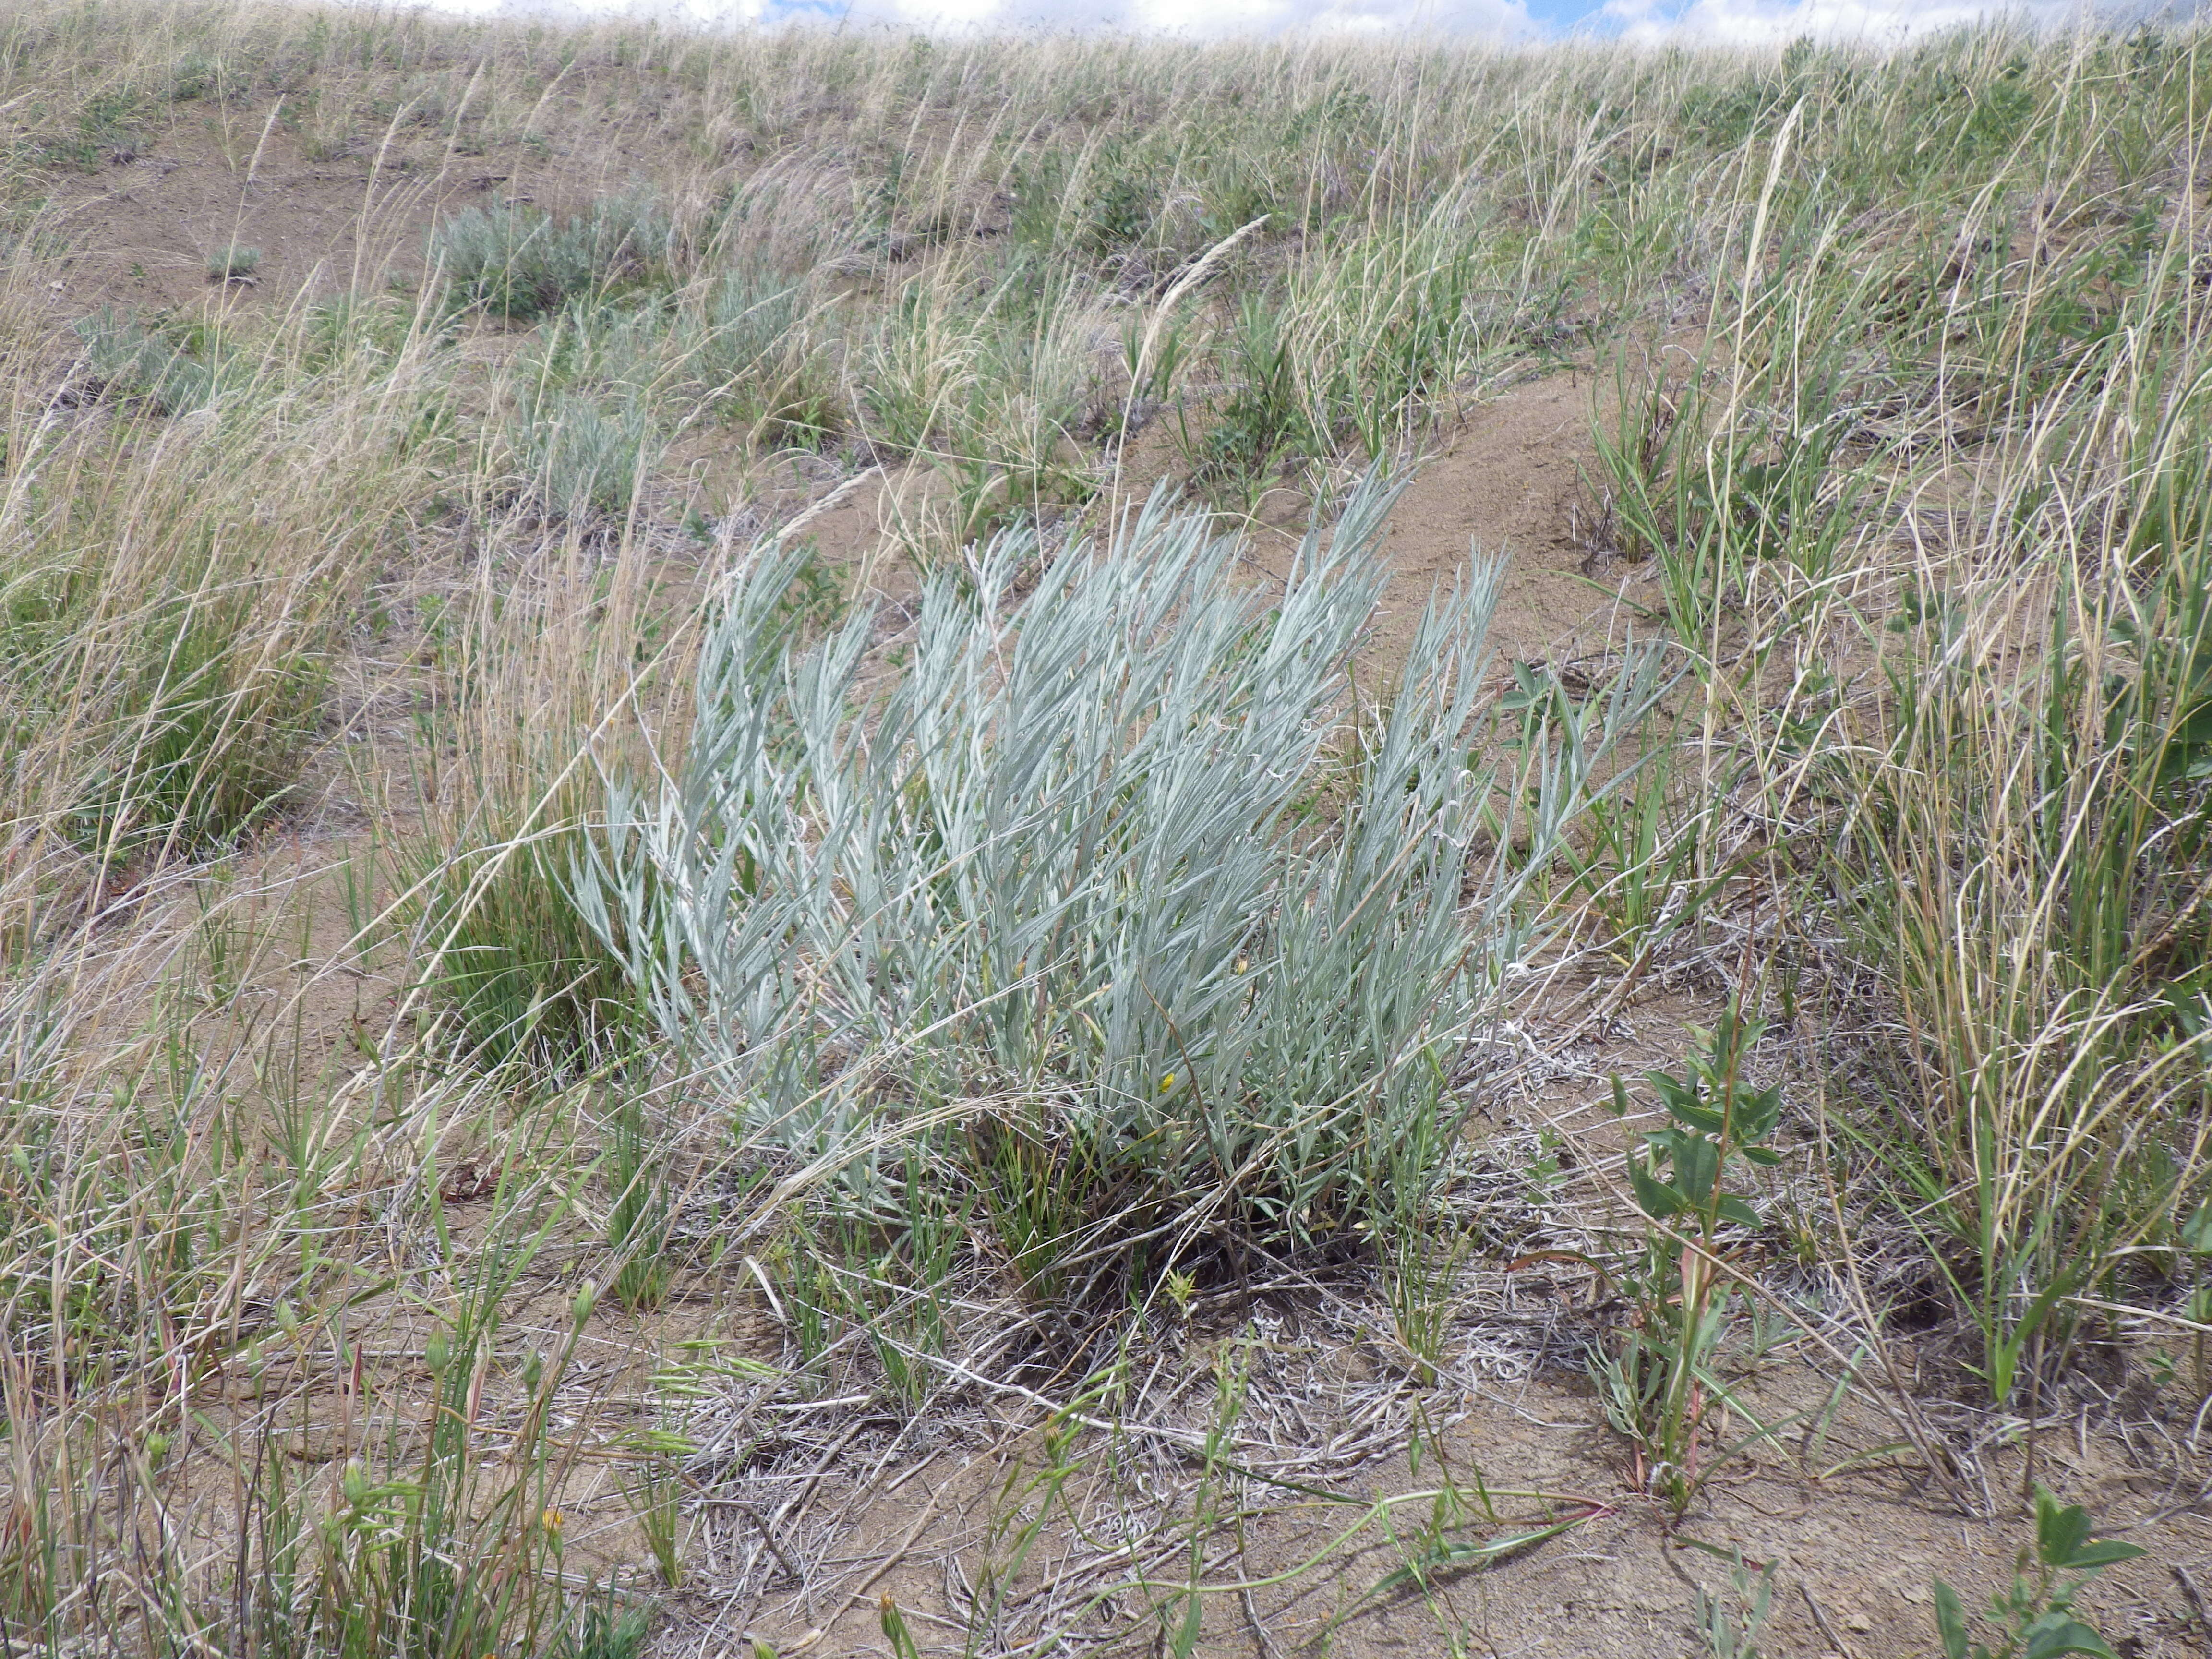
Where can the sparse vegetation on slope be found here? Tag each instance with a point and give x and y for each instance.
(715, 787)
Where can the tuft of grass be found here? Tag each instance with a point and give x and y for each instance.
(486, 895)
(123, 358)
(166, 646)
(2036, 830)
(235, 263)
(764, 362)
(640, 1206)
(1262, 422)
(581, 458)
(507, 953)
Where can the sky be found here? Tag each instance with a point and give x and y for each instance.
(1741, 21)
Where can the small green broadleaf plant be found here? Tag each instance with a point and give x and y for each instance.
(2035, 1617)
(1658, 1382)
(2196, 1231)
(1711, 1117)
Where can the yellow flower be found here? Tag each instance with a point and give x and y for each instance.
(553, 1522)
(1167, 1083)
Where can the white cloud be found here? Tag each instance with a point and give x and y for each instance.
(1768, 22)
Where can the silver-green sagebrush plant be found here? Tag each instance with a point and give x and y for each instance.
(1114, 902)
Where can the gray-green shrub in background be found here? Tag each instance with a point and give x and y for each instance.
(520, 262)
(760, 357)
(123, 358)
(751, 316)
(1112, 914)
(580, 454)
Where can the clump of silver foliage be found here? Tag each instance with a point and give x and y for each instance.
(1112, 894)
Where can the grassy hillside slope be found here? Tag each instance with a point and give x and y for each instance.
(822, 841)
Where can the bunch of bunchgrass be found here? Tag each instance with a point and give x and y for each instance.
(543, 673)
(2035, 831)
(177, 593)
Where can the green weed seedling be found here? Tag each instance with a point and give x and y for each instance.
(1025, 1503)
(2033, 1617)
(1659, 1384)
(895, 1629)
(1732, 1624)
(1182, 1615)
